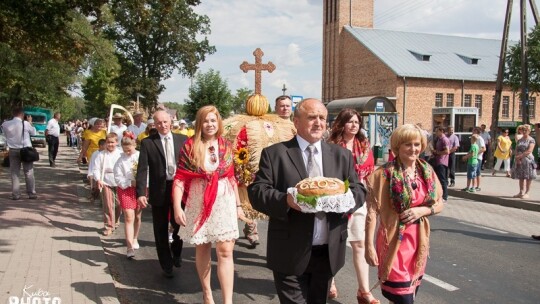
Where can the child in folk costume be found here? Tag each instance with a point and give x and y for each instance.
(125, 171)
(90, 175)
(104, 177)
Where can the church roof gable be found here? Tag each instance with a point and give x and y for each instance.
(432, 56)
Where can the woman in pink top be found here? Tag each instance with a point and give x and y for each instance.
(401, 196)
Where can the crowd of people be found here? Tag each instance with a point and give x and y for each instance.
(188, 177)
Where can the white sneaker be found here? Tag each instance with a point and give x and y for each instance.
(130, 253)
(170, 237)
(136, 245)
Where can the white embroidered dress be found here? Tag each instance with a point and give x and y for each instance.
(222, 224)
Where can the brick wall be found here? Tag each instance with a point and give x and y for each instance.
(351, 70)
(336, 14)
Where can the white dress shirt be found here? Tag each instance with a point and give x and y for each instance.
(124, 169)
(105, 162)
(13, 129)
(119, 130)
(320, 226)
(91, 163)
(137, 130)
(53, 128)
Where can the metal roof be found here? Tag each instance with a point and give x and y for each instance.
(363, 105)
(448, 57)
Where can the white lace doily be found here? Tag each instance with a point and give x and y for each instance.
(338, 203)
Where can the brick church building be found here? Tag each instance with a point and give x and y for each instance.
(416, 71)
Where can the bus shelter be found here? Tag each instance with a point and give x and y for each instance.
(379, 117)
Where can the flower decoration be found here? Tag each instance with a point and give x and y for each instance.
(243, 170)
(241, 156)
(134, 168)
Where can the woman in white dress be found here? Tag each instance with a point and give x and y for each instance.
(205, 182)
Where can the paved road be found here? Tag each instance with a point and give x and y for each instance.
(483, 251)
(480, 253)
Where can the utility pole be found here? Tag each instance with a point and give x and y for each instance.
(284, 89)
(524, 69)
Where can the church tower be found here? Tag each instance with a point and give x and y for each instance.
(336, 14)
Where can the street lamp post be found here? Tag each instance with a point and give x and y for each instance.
(138, 105)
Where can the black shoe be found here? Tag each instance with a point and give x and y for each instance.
(32, 196)
(15, 198)
(177, 261)
(168, 273)
(452, 184)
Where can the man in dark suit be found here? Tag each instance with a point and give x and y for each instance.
(157, 161)
(305, 250)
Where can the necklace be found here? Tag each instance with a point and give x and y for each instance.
(413, 183)
(213, 157)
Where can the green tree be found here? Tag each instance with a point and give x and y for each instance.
(153, 38)
(44, 29)
(100, 91)
(239, 100)
(209, 89)
(512, 75)
(180, 113)
(43, 47)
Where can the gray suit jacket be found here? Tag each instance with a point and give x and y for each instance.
(290, 232)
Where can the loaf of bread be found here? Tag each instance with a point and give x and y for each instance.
(320, 186)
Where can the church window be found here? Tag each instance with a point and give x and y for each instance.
(438, 100)
(467, 100)
(478, 103)
(506, 107)
(449, 100)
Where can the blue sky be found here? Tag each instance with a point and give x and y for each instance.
(290, 34)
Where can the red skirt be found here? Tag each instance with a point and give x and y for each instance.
(127, 197)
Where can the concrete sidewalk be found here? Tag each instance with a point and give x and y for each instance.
(498, 190)
(50, 247)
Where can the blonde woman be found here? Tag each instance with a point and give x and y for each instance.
(524, 165)
(402, 194)
(205, 172)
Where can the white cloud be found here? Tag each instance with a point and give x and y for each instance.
(290, 35)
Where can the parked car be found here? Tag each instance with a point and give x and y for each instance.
(3, 142)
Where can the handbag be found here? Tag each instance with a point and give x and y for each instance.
(28, 154)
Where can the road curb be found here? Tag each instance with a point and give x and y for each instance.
(525, 204)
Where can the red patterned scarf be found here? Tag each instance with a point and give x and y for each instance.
(364, 163)
(187, 171)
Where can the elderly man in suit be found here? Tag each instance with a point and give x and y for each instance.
(157, 164)
(305, 250)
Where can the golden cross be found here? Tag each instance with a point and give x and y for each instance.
(258, 66)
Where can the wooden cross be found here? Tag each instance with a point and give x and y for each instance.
(258, 66)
